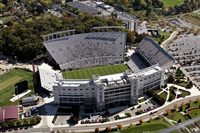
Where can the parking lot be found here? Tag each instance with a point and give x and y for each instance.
(193, 72)
(185, 49)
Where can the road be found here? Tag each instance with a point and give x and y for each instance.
(124, 122)
(172, 36)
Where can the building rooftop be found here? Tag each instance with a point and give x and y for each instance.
(48, 76)
(107, 80)
(8, 113)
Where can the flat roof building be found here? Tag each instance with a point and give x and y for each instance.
(107, 91)
(8, 113)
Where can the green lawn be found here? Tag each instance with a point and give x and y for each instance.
(176, 116)
(194, 113)
(86, 73)
(184, 93)
(163, 95)
(8, 81)
(194, 104)
(164, 36)
(172, 95)
(153, 126)
(141, 100)
(171, 3)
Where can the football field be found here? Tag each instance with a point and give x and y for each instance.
(86, 73)
(8, 81)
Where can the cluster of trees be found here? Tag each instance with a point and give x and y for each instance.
(153, 7)
(23, 38)
(20, 123)
(149, 6)
(187, 6)
(73, 10)
(33, 6)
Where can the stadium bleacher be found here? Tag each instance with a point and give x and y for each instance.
(151, 51)
(87, 49)
(136, 62)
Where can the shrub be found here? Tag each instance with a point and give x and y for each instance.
(96, 130)
(108, 129)
(119, 126)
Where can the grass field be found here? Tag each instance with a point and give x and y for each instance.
(176, 116)
(164, 36)
(86, 73)
(171, 3)
(8, 81)
(150, 127)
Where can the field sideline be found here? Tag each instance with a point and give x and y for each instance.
(86, 73)
(8, 81)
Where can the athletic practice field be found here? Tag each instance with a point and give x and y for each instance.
(171, 3)
(86, 73)
(8, 81)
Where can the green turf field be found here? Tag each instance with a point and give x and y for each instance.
(8, 81)
(86, 73)
(171, 3)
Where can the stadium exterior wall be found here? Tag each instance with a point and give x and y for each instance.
(108, 91)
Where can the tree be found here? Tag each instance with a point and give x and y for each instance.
(190, 84)
(175, 106)
(114, 15)
(40, 8)
(125, 2)
(119, 126)
(131, 36)
(1, 7)
(171, 79)
(141, 121)
(108, 129)
(5, 2)
(131, 125)
(168, 111)
(97, 130)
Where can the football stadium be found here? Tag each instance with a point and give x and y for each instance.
(93, 71)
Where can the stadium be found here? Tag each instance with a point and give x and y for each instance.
(101, 79)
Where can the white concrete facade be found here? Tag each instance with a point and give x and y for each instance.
(108, 91)
(48, 76)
